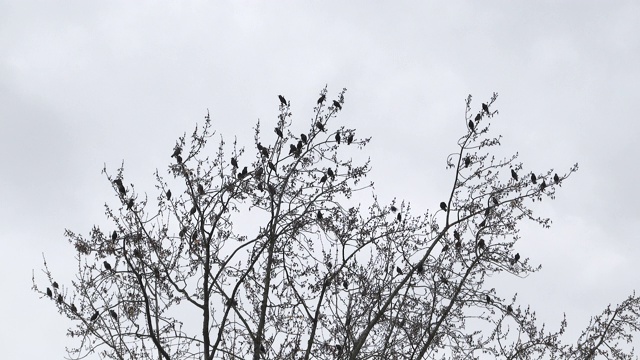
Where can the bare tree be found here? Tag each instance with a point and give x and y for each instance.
(262, 253)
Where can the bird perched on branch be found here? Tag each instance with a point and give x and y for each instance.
(283, 101)
(337, 105)
(514, 175)
(321, 99)
(107, 265)
(443, 206)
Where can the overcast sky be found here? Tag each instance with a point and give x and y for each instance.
(89, 83)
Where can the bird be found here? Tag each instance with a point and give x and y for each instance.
(95, 316)
(179, 159)
(339, 348)
(514, 175)
(517, 257)
(262, 349)
(244, 172)
(114, 236)
(278, 132)
(393, 208)
(272, 189)
(319, 215)
(323, 179)
(194, 236)
(479, 116)
(456, 235)
(292, 149)
(182, 232)
(495, 201)
(177, 151)
(320, 126)
(471, 126)
(200, 189)
(443, 206)
(445, 248)
(55, 285)
(272, 167)
(113, 314)
(49, 293)
(120, 186)
(73, 308)
(337, 105)
(345, 284)
(299, 146)
(321, 99)
(483, 223)
(467, 162)
(399, 270)
(509, 309)
(234, 162)
(283, 101)
(543, 185)
(534, 180)
(349, 139)
(337, 137)
(259, 172)
(106, 265)
(481, 244)
(193, 210)
(60, 300)
(458, 244)
(137, 253)
(130, 204)
(263, 150)
(303, 137)
(331, 173)
(485, 108)
(488, 298)
(399, 217)
(420, 268)
(556, 179)
(260, 186)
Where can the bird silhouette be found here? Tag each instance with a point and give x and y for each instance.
(420, 268)
(320, 126)
(509, 309)
(182, 232)
(556, 179)
(260, 186)
(321, 99)
(481, 244)
(349, 139)
(272, 189)
(399, 217)
(443, 206)
(445, 248)
(272, 167)
(299, 146)
(193, 210)
(467, 162)
(168, 194)
(200, 189)
(234, 162)
(471, 126)
(488, 299)
(60, 300)
(114, 236)
(393, 208)
(120, 186)
(303, 137)
(534, 180)
(514, 175)
(345, 284)
(485, 108)
(94, 316)
(137, 253)
(399, 270)
(177, 151)
(483, 223)
(179, 159)
(74, 309)
(337, 105)
(319, 215)
(458, 244)
(262, 349)
(245, 171)
(323, 179)
(479, 117)
(456, 235)
(495, 201)
(259, 172)
(55, 285)
(278, 132)
(49, 292)
(543, 185)
(113, 314)
(106, 265)
(337, 137)
(283, 101)
(130, 204)
(331, 174)
(292, 149)
(517, 257)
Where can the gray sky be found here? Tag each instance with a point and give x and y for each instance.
(85, 84)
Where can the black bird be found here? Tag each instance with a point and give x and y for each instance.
(114, 236)
(49, 293)
(399, 217)
(182, 232)
(234, 162)
(443, 206)
(193, 210)
(485, 108)
(543, 185)
(479, 117)
(260, 186)
(483, 223)
(338, 137)
(73, 308)
(283, 101)
(60, 300)
(420, 268)
(292, 149)
(481, 244)
(303, 137)
(156, 272)
(168, 194)
(458, 244)
(177, 151)
(272, 189)
(331, 174)
(345, 284)
(319, 215)
(467, 162)
(456, 235)
(137, 253)
(113, 314)
(107, 265)
(393, 208)
(265, 152)
(200, 189)
(272, 167)
(55, 285)
(179, 159)
(95, 316)
(194, 236)
(337, 105)
(517, 257)
(262, 349)
(321, 99)
(299, 146)
(399, 270)
(244, 172)
(471, 126)
(495, 201)
(349, 139)
(339, 348)
(445, 248)
(514, 175)
(259, 172)
(489, 301)
(534, 180)
(509, 309)
(130, 204)
(278, 132)
(323, 179)
(320, 126)
(556, 179)
(120, 186)
(487, 211)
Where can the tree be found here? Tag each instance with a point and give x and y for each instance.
(274, 262)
